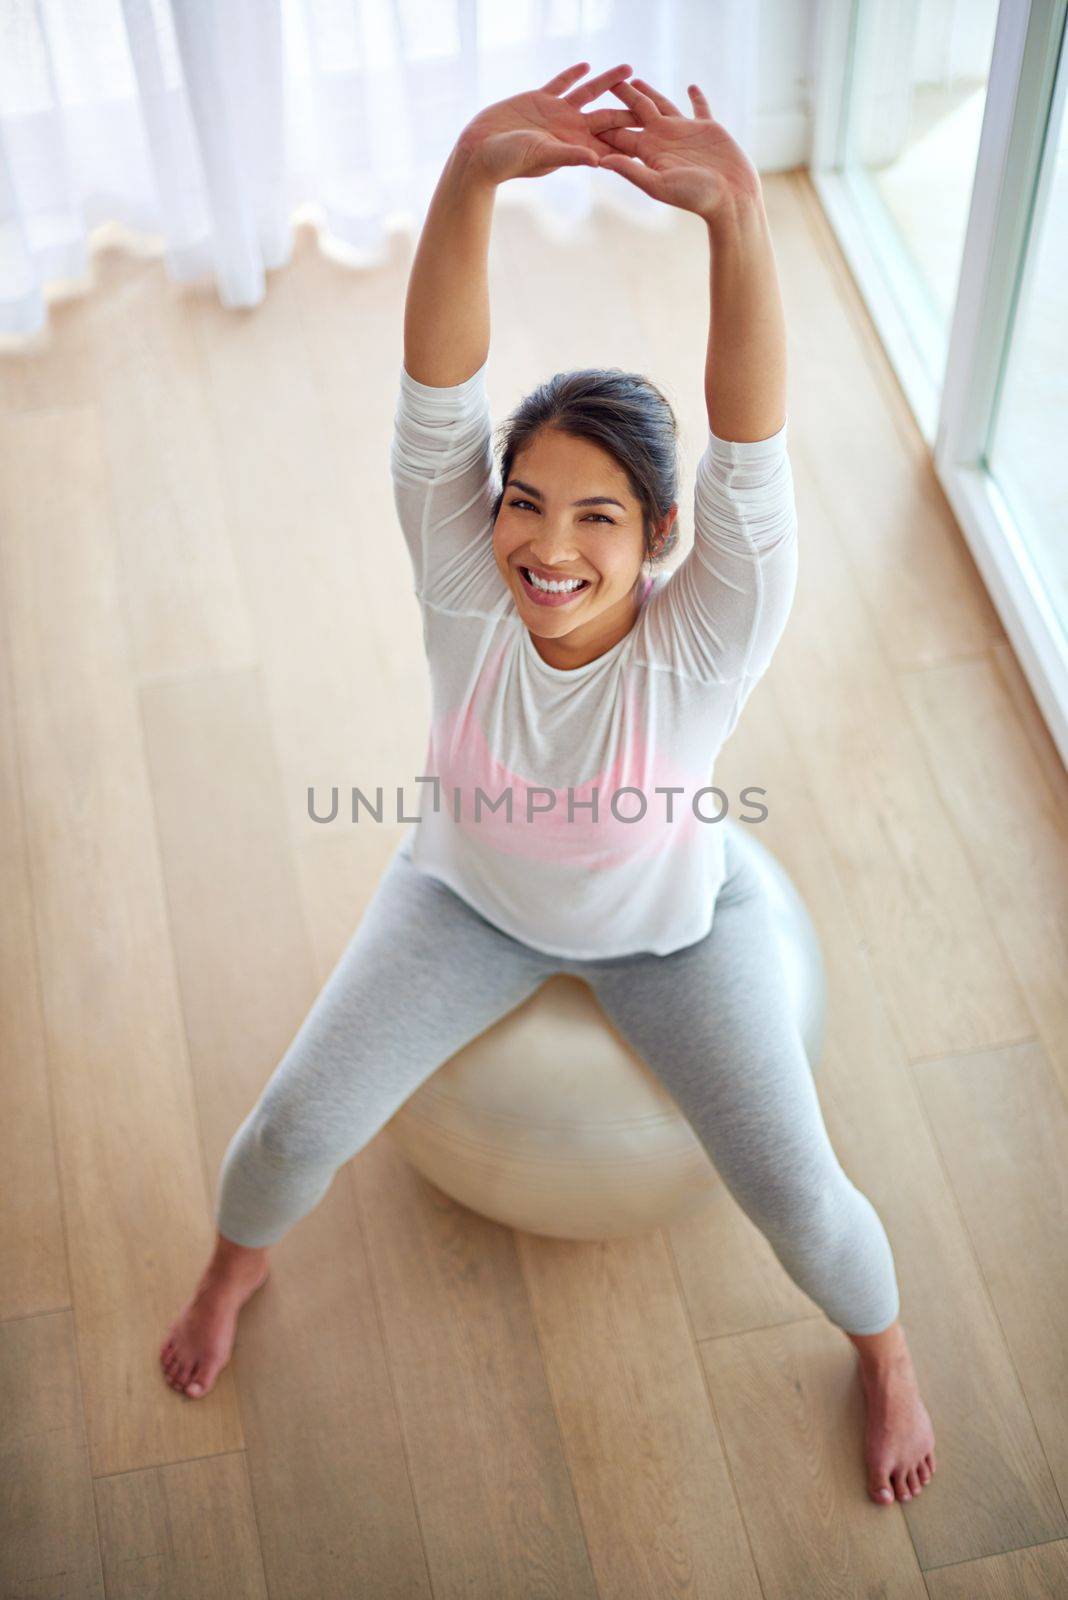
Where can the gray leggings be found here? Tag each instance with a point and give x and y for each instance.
(424, 973)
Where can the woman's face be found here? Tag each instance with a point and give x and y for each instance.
(568, 512)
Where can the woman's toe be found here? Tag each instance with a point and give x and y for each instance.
(200, 1382)
(881, 1491)
(913, 1480)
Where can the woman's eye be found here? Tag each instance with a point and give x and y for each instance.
(521, 503)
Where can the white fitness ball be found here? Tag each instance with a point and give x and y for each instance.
(549, 1122)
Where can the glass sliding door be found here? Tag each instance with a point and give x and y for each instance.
(1027, 455)
(940, 155)
(918, 72)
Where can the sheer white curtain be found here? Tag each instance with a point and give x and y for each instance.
(206, 123)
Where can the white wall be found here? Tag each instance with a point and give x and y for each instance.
(786, 35)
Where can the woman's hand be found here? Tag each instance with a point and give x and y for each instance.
(689, 162)
(532, 133)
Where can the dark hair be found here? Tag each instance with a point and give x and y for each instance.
(622, 412)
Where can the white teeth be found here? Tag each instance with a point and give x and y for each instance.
(554, 587)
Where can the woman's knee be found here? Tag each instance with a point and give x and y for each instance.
(294, 1135)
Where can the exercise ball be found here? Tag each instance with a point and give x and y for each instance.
(549, 1121)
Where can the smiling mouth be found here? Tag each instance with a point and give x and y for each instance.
(574, 585)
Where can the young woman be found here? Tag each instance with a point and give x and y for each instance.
(580, 695)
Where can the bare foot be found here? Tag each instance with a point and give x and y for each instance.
(201, 1337)
(899, 1438)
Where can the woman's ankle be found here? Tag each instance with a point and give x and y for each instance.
(230, 1259)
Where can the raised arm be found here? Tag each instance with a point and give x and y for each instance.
(745, 365)
(447, 313)
(726, 604)
(441, 456)
(694, 164)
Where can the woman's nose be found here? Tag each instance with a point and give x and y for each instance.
(554, 547)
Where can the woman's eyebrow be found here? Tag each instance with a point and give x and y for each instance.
(590, 500)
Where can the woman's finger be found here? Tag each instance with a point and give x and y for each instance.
(660, 101)
(562, 79)
(700, 104)
(598, 121)
(636, 171)
(640, 104)
(595, 86)
(624, 139)
(575, 155)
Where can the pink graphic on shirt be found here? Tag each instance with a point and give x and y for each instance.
(540, 827)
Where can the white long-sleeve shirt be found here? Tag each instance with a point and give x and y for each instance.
(620, 872)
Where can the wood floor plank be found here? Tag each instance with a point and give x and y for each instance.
(496, 1502)
(1031, 721)
(52, 367)
(1002, 1128)
(734, 1280)
(889, 513)
(1039, 1572)
(327, 641)
(345, 337)
(324, 1445)
(184, 607)
(33, 1258)
(993, 1488)
(1013, 830)
(657, 1504)
(184, 1530)
(910, 885)
(48, 1536)
(535, 263)
(127, 1147)
(791, 1410)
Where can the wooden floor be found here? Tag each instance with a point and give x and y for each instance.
(207, 606)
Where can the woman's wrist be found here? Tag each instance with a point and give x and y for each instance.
(465, 165)
(736, 217)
